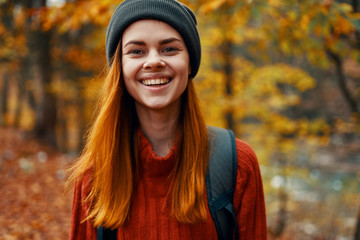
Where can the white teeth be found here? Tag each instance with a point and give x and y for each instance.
(153, 82)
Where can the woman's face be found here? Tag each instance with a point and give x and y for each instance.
(155, 64)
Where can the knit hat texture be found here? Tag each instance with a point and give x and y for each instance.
(172, 12)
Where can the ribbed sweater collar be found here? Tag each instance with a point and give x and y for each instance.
(153, 166)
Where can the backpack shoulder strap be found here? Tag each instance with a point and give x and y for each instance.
(220, 181)
(106, 233)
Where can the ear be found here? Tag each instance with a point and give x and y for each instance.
(189, 70)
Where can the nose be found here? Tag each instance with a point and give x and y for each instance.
(154, 61)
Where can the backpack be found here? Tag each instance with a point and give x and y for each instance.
(220, 185)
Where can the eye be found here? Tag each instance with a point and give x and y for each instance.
(135, 52)
(169, 50)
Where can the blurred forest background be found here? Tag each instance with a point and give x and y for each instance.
(283, 74)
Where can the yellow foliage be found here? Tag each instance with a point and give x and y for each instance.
(251, 34)
(342, 126)
(275, 3)
(266, 78)
(292, 16)
(19, 17)
(342, 26)
(215, 36)
(241, 17)
(318, 126)
(304, 22)
(2, 29)
(91, 87)
(283, 125)
(212, 5)
(27, 117)
(82, 58)
(345, 7)
(73, 15)
(64, 89)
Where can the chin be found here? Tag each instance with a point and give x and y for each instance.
(157, 106)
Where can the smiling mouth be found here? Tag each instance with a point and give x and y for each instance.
(155, 82)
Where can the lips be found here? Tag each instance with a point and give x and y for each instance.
(155, 81)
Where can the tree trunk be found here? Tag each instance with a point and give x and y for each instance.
(355, 4)
(6, 18)
(357, 230)
(350, 100)
(280, 222)
(45, 107)
(23, 94)
(4, 98)
(46, 104)
(228, 69)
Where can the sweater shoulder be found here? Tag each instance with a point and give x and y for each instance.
(249, 204)
(247, 163)
(83, 184)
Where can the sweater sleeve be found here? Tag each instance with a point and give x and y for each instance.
(249, 201)
(79, 229)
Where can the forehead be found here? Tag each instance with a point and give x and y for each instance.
(149, 29)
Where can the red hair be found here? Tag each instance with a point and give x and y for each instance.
(111, 152)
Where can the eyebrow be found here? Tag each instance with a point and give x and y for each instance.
(142, 43)
(169, 40)
(134, 42)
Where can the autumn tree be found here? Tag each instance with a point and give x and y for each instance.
(27, 54)
(53, 62)
(280, 54)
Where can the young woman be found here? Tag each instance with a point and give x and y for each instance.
(144, 165)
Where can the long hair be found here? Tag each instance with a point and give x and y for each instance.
(111, 152)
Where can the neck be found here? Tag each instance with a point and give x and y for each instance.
(159, 126)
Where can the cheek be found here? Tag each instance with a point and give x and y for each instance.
(126, 69)
(182, 66)
(129, 70)
(185, 69)
(183, 84)
(127, 76)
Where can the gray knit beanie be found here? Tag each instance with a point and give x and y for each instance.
(172, 12)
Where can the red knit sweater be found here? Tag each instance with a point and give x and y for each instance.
(149, 215)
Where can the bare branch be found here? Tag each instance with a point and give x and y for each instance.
(342, 81)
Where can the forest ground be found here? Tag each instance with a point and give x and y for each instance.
(33, 200)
